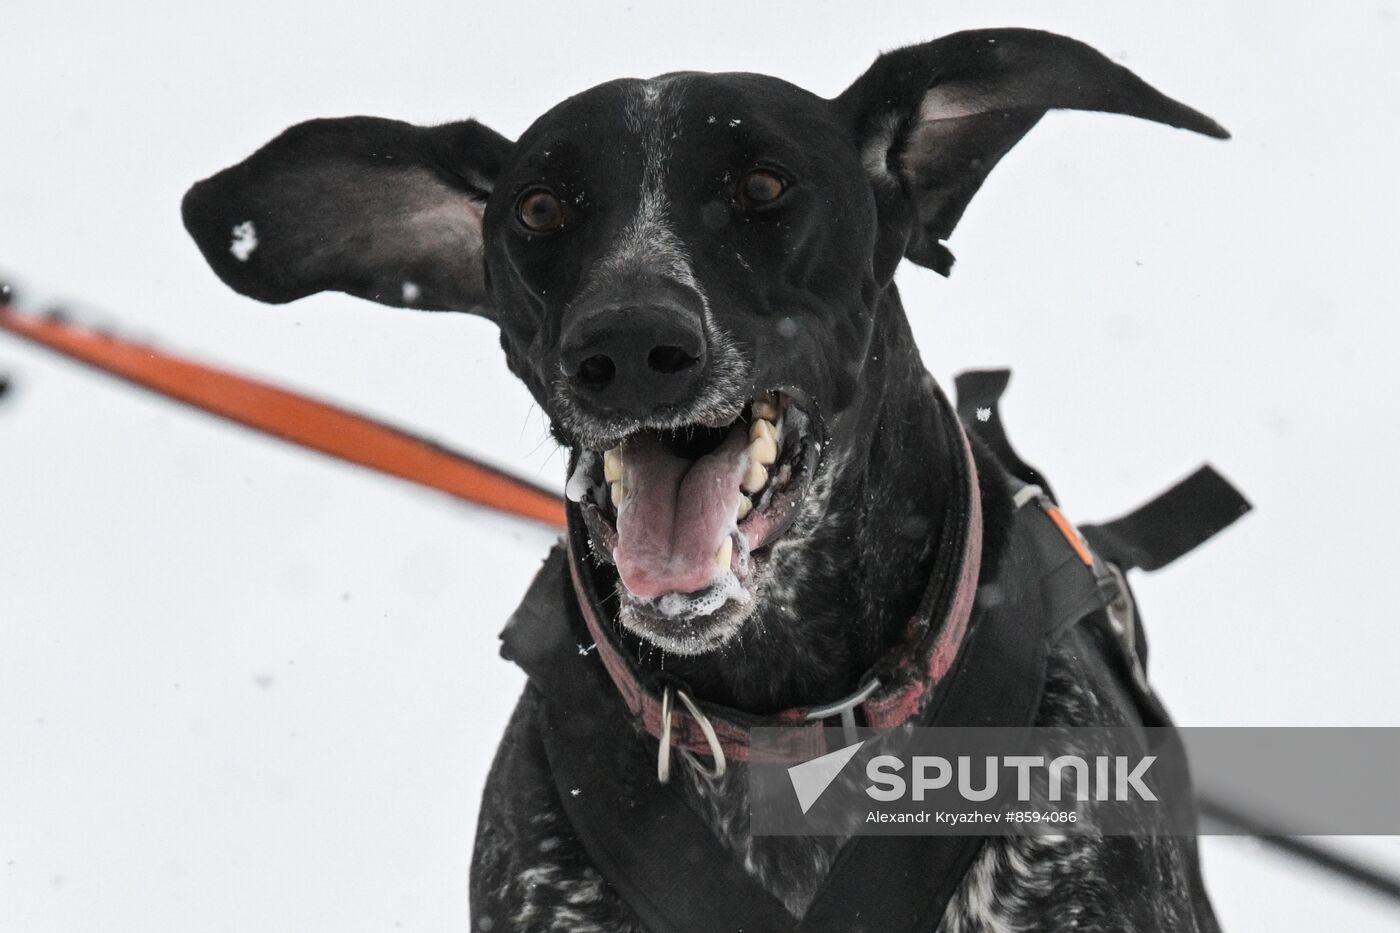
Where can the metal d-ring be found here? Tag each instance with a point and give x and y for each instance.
(663, 750)
(846, 709)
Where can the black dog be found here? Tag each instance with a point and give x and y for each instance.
(693, 276)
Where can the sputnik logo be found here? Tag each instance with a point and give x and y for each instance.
(811, 778)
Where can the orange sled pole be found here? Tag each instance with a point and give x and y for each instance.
(292, 417)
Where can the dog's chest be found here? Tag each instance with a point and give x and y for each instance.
(792, 868)
(533, 873)
(1015, 883)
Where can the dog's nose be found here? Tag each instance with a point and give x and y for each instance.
(635, 356)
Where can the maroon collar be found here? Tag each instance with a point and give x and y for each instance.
(896, 692)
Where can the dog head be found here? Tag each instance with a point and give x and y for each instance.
(690, 274)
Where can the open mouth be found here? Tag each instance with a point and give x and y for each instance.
(685, 515)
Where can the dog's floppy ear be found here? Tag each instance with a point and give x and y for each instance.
(377, 208)
(935, 118)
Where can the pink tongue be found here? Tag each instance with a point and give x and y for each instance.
(676, 514)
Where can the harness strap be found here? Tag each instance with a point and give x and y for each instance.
(1177, 521)
(997, 681)
(1148, 538)
(979, 393)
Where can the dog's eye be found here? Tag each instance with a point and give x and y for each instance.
(760, 187)
(540, 211)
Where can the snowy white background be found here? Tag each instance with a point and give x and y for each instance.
(246, 688)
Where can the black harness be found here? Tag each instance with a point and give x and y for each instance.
(665, 862)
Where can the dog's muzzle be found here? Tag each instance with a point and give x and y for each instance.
(684, 514)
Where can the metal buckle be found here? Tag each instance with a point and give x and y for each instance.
(663, 751)
(846, 709)
(1121, 620)
(1028, 493)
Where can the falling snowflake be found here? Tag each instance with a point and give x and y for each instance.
(575, 792)
(984, 414)
(735, 122)
(245, 240)
(411, 292)
(584, 649)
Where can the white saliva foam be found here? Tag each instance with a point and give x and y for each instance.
(721, 591)
(579, 484)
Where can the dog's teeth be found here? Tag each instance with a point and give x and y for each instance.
(763, 428)
(763, 450)
(745, 507)
(766, 408)
(616, 489)
(755, 477)
(726, 551)
(612, 465)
